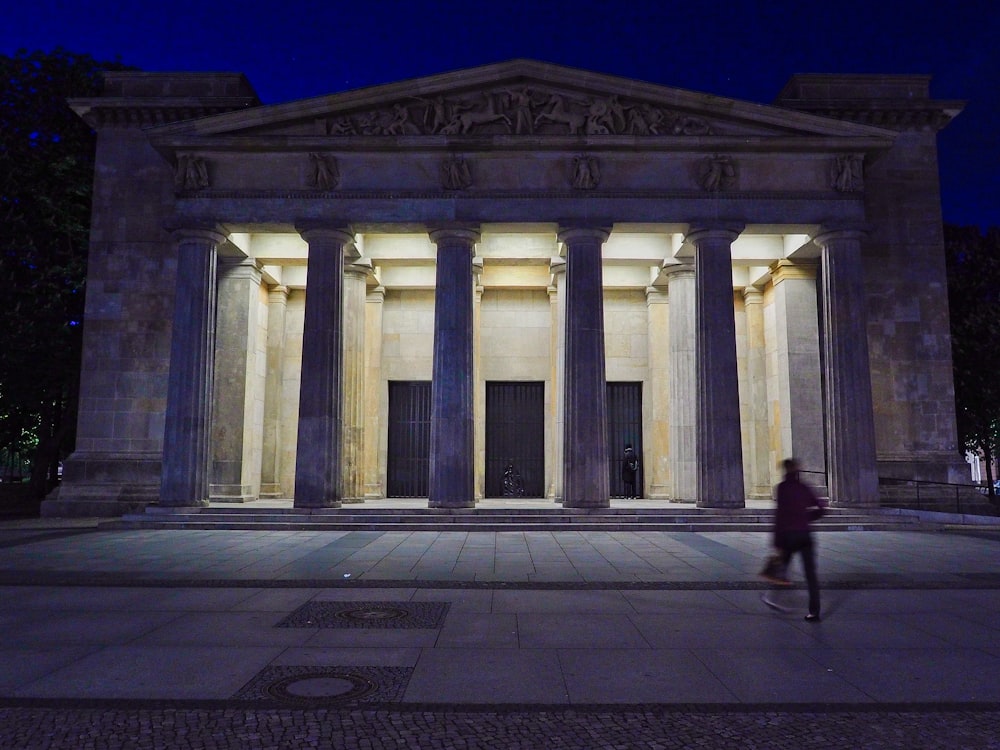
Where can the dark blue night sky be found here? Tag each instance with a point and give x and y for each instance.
(744, 50)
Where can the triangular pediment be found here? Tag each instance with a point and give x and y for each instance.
(518, 98)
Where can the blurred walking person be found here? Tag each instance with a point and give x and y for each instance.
(798, 506)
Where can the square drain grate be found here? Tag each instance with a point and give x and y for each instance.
(367, 615)
(317, 686)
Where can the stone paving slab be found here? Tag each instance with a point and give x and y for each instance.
(161, 642)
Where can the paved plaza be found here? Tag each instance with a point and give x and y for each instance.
(563, 639)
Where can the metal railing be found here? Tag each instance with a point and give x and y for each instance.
(945, 497)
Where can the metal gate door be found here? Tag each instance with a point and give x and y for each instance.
(624, 427)
(408, 462)
(515, 439)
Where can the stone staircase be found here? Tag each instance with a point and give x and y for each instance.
(360, 518)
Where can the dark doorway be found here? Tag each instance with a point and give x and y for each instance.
(624, 426)
(515, 439)
(408, 462)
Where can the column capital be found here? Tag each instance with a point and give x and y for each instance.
(557, 265)
(657, 295)
(457, 232)
(277, 294)
(752, 295)
(569, 233)
(312, 231)
(184, 232)
(832, 233)
(727, 231)
(677, 270)
(361, 267)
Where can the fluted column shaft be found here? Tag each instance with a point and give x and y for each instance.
(188, 418)
(682, 384)
(452, 453)
(355, 291)
(585, 448)
(719, 440)
(270, 473)
(557, 369)
(852, 473)
(318, 450)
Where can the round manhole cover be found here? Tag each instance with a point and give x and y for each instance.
(373, 614)
(330, 687)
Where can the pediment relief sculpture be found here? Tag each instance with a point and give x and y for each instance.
(524, 110)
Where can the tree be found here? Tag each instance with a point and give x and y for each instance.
(46, 177)
(974, 302)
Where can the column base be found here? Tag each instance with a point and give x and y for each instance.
(230, 493)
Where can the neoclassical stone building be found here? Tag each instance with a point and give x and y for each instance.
(489, 281)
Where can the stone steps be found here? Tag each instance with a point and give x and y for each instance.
(476, 519)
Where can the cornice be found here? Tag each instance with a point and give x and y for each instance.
(133, 112)
(896, 115)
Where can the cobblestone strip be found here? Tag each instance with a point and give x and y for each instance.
(648, 729)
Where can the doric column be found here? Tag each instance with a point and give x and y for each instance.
(452, 453)
(720, 452)
(682, 380)
(184, 479)
(235, 442)
(479, 385)
(355, 289)
(799, 389)
(586, 480)
(557, 377)
(318, 472)
(852, 474)
(270, 470)
(374, 392)
(657, 444)
(759, 461)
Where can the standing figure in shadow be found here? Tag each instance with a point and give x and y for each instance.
(630, 467)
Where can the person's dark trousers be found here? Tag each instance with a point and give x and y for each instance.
(791, 542)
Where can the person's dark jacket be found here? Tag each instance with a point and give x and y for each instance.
(798, 506)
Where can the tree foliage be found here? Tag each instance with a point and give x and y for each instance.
(46, 176)
(974, 302)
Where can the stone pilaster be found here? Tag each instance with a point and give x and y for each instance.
(682, 380)
(852, 475)
(318, 473)
(758, 460)
(720, 451)
(270, 470)
(657, 443)
(800, 391)
(355, 290)
(184, 480)
(374, 391)
(585, 481)
(452, 454)
(234, 476)
(557, 362)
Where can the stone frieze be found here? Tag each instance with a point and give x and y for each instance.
(523, 110)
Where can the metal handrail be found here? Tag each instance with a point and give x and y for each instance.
(940, 498)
